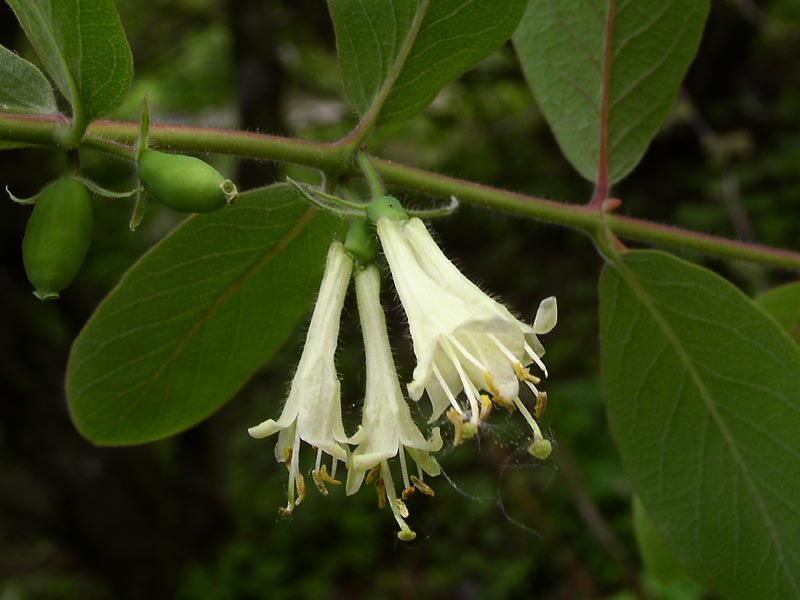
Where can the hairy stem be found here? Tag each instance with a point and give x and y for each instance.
(118, 138)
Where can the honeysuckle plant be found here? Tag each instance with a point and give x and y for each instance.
(700, 382)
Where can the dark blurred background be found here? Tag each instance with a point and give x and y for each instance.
(194, 517)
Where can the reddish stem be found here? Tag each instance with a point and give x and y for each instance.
(601, 191)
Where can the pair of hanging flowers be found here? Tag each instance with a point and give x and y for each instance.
(471, 353)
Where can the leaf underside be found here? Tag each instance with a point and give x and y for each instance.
(23, 88)
(703, 397)
(196, 316)
(453, 36)
(84, 49)
(605, 73)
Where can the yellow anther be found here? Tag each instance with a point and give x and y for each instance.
(402, 508)
(490, 384)
(287, 456)
(321, 477)
(503, 403)
(422, 487)
(541, 404)
(380, 487)
(486, 407)
(523, 374)
(455, 419)
(300, 484)
(407, 492)
(372, 474)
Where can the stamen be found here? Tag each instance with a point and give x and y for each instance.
(487, 378)
(535, 358)
(469, 389)
(292, 455)
(422, 487)
(321, 477)
(398, 507)
(524, 374)
(372, 474)
(503, 349)
(407, 492)
(455, 419)
(319, 459)
(480, 366)
(300, 483)
(486, 407)
(380, 487)
(403, 468)
(446, 389)
(541, 404)
(502, 402)
(334, 464)
(534, 389)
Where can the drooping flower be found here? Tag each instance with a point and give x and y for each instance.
(313, 411)
(463, 339)
(387, 429)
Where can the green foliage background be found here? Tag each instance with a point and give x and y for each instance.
(194, 516)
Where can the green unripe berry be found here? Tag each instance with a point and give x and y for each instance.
(184, 183)
(387, 206)
(57, 237)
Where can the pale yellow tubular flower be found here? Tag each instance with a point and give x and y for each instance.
(313, 411)
(387, 429)
(464, 340)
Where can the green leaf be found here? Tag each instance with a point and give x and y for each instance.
(659, 559)
(703, 398)
(783, 304)
(84, 49)
(191, 322)
(398, 54)
(23, 88)
(605, 73)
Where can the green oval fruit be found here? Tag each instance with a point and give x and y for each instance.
(184, 183)
(57, 237)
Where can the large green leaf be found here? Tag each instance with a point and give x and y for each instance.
(703, 397)
(783, 304)
(23, 88)
(398, 54)
(84, 49)
(605, 73)
(197, 315)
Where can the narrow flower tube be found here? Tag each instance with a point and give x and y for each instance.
(313, 411)
(387, 429)
(464, 340)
